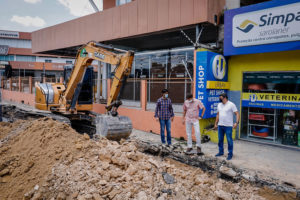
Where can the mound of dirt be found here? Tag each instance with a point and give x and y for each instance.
(29, 150)
(45, 159)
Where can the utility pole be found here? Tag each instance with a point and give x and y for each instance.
(94, 5)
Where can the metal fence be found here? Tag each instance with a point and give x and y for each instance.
(132, 90)
(22, 84)
(178, 88)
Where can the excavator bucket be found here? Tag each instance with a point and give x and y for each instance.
(113, 128)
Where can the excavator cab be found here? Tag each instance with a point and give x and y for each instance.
(86, 94)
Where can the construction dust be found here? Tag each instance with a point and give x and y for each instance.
(46, 159)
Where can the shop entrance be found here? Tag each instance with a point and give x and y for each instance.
(271, 107)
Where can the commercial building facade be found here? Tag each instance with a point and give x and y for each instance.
(160, 32)
(15, 51)
(164, 35)
(263, 42)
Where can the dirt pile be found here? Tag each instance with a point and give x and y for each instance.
(29, 150)
(45, 159)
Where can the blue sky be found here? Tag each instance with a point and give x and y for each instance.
(31, 15)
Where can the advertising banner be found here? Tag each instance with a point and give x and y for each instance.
(265, 27)
(4, 50)
(211, 80)
(272, 100)
(9, 34)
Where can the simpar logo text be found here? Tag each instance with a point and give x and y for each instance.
(273, 25)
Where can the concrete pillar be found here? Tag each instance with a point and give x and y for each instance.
(30, 84)
(20, 84)
(143, 94)
(10, 84)
(61, 79)
(44, 79)
(108, 82)
(105, 82)
(98, 82)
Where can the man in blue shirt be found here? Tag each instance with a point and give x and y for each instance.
(164, 114)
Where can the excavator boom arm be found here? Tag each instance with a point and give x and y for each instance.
(104, 53)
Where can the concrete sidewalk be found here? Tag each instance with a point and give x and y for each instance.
(265, 160)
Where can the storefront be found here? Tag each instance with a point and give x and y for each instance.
(262, 43)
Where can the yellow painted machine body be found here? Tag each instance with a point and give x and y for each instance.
(53, 91)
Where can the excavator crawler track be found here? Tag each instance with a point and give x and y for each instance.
(93, 124)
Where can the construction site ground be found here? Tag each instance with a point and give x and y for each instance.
(45, 159)
(272, 161)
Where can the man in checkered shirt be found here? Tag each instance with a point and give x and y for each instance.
(164, 114)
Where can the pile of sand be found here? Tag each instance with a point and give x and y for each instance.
(45, 159)
(29, 149)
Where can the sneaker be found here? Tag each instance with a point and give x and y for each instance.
(188, 150)
(229, 157)
(219, 154)
(199, 150)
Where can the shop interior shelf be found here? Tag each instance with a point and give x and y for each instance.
(261, 125)
(268, 138)
(261, 113)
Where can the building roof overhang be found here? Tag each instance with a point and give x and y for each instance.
(139, 25)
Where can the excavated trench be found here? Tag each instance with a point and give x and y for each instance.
(46, 159)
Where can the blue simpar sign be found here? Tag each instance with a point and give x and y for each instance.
(265, 27)
(211, 80)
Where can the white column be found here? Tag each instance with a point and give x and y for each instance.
(104, 81)
(98, 82)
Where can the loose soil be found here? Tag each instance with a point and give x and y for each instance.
(46, 159)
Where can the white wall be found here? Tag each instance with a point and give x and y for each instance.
(231, 4)
(16, 43)
(54, 60)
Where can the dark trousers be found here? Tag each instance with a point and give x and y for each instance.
(222, 130)
(165, 124)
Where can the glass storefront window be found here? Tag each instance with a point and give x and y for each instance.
(272, 112)
(141, 66)
(7, 58)
(121, 2)
(171, 69)
(159, 65)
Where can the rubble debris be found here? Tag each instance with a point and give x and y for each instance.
(44, 161)
(168, 178)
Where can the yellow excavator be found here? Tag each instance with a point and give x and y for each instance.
(74, 98)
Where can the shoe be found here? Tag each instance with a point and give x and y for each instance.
(229, 157)
(199, 150)
(168, 145)
(219, 154)
(188, 150)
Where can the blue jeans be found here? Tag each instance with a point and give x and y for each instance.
(222, 130)
(167, 124)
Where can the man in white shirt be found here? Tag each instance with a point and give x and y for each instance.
(224, 123)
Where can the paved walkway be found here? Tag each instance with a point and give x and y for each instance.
(271, 161)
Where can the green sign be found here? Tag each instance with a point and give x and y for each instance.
(83, 53)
